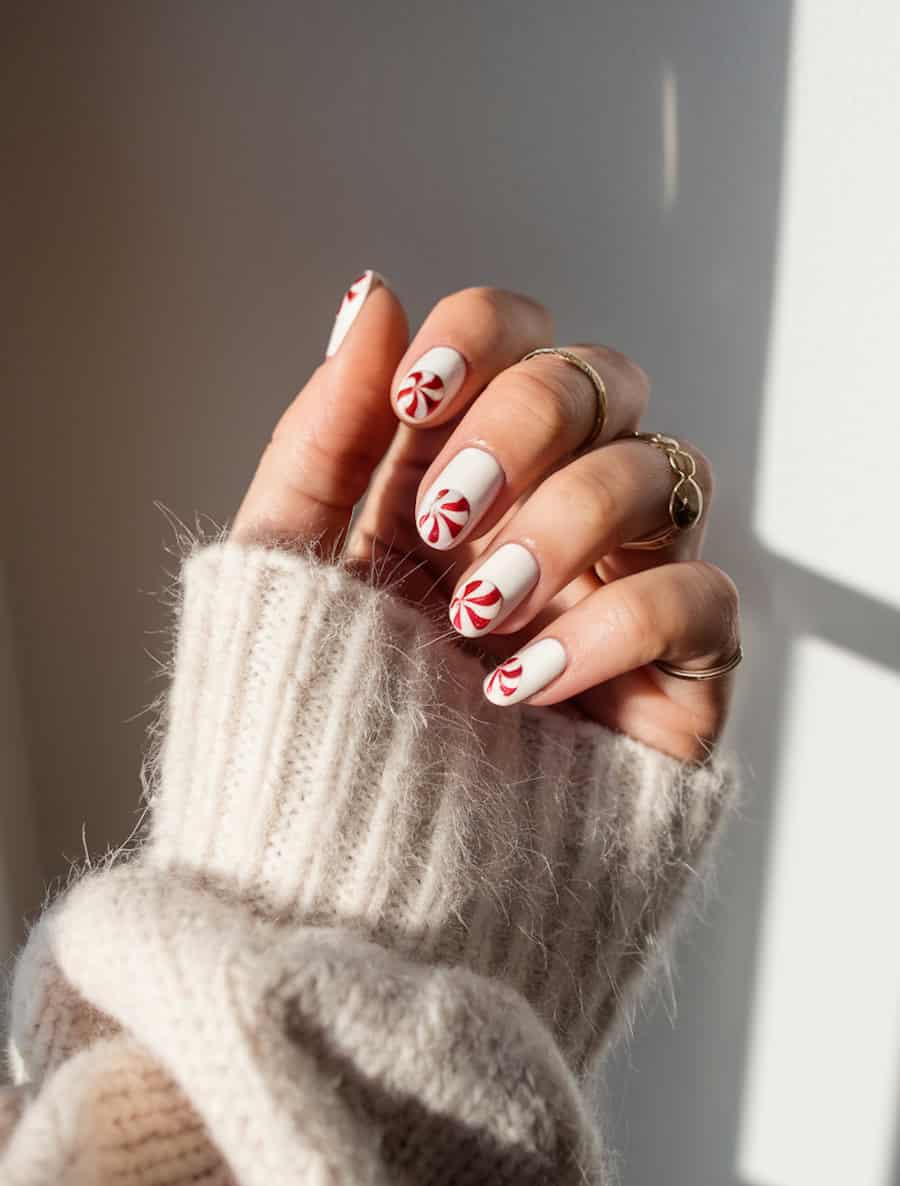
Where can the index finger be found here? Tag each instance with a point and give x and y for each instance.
(467, 339)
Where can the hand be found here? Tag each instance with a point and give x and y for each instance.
(524, 511)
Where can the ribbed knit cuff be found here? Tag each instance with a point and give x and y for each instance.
(329, 759)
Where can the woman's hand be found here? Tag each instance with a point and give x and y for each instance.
(484, 500)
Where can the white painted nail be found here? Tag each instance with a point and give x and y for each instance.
(430, 384)
(457, 500)
(493, 591)
(351, 303)
(526, 672)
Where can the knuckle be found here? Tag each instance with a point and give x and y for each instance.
(284, 435)
(476, 307)
(717, 594)
(631, 374)
(626, 363)
(487, 294)
(507, 302)
(597, 500)
(635, 617)
(470, 300)
(546, 401)
(496, 311)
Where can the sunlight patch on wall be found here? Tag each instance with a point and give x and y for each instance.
(821, 1099)
(828, 483)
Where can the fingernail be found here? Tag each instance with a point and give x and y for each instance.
(429, 384)
(348, 311)
(458, 499)
(493, 591)
(526, 672)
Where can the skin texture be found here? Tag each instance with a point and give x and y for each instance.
(570, 508)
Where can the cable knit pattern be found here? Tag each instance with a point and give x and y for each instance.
(379, 928)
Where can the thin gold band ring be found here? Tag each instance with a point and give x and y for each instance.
(602, 410)
(700, 673)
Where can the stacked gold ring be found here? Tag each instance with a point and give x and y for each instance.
(686, 499)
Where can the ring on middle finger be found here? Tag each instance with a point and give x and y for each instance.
(521, 427)
(601, 411)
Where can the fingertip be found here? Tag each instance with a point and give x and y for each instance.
(426, 389)
(370, 317)
(466, 340)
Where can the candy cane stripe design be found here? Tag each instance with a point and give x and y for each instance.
(421, 393)
(444, 518)
(505, 679)
(475, 606)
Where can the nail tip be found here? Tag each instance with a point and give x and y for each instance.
(436, 547)
(361, 287)
(459, 630)
(401, 415)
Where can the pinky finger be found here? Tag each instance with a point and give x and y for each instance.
(684, 613)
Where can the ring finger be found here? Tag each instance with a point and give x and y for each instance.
(580, 514)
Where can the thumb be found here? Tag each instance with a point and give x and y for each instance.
(326, 445)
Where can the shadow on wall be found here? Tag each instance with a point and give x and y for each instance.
(676, 1096)
(197, 185)
(20, 878)
(704, 269)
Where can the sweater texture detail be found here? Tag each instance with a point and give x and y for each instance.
(379, 930)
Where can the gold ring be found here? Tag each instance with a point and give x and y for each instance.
(686, 499)
(701, 672)
(602, 408)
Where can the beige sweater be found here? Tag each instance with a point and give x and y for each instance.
(378, 932)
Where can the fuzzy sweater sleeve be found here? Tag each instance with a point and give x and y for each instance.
(379, 930)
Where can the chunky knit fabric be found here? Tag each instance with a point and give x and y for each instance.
(379, 930)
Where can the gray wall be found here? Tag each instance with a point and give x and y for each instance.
(195, 183)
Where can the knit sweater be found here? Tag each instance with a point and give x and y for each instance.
(379, 931)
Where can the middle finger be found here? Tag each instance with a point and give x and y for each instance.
(580, 514)
(529, 419)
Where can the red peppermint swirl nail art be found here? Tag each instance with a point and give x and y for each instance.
(475, 606)
(421, 393)
(505, 678)
(354, 291)
(444, 518)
